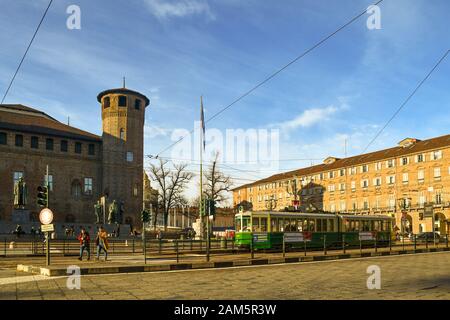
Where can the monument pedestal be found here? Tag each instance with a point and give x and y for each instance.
(20, 216)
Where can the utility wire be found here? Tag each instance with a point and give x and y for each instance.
(407, 100)
(273, 75)
(26, 51)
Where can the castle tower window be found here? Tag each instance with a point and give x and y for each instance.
(122, 101)
(3, 138)
(130, 156)
(106, 102)
(91, 149)
(78, 147)
(49, 144)
(19, 140)
(64, 146)
(34, 142)
(137, 104)
(122, 133)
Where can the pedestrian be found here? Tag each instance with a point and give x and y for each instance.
(102, 243)
(85, 241)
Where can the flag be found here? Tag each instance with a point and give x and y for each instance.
(202, 119)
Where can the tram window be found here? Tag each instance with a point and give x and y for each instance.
(324, 225)
(238, 225)
(319, 225)
(287, 225)
(358, 225)
(263, 225)
(245, 223)
(376, 225)
(280, 225)
(274, 224)
(300, 225)
(293, 225)
(346, 225)
(366, 226)
(312, 224)
(255, 224)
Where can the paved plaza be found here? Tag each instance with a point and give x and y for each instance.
(419, 276)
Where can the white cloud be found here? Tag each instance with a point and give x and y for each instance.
(168, 9)
(152, 131)
(309, 118)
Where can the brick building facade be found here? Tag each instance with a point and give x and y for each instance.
(82, 166)
(398, 181)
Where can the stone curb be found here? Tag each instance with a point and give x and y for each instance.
(61, 271)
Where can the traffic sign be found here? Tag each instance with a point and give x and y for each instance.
(48, 228)
(46, 216)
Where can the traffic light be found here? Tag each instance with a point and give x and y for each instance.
(203, 207)
(42, 197)
(211, 207)
(145, 216)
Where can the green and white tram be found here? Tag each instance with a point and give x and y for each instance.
(267, 228)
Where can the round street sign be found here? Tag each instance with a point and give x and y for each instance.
(46, 216)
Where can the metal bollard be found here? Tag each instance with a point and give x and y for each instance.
(376, 238)
(360, 246)
(426, 241)
(343, 242)
(390, 242)
(415, 242)
(304, 245)
(284, 246)
(324, 244)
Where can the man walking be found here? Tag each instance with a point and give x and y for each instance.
(85, 241)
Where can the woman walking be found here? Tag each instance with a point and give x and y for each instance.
(102, 243)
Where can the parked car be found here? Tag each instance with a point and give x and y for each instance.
(427, 237)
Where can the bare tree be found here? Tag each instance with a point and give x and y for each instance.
(217, 184)
(171, 184)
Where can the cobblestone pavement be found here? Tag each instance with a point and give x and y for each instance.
(420, 276)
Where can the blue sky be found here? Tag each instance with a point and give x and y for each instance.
(175, 51)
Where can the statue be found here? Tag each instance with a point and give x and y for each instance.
(98, 209)
(20, 194)
(113, 210)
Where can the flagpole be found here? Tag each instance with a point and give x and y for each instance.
(201, 163)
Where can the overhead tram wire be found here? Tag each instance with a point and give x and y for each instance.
(274, 74)
(26, 52)
(406, 101)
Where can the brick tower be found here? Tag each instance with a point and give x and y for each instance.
(123, 116)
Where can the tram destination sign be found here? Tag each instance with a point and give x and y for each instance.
(367, 235)
(290, 237)
(260, 237)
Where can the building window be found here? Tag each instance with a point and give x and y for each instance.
(34, 142)
(437, 155)
(64, 146)
(421, 199)
(135, 190)
(137, 104)
(88, 186)
(78, 147)
(3, 138)
(390, 179)
(420, 158)
(437, 173)
(19, 140)
(365, 183)
(377, 182)
(122, 133)
(390, 163)
(404, 161)
(342, 187)
(405, 178)
(16, 176)
(378, 166)
(106, 102)
(91, 149)
(122, 101)
(421, 175)
(365, 168)
(353, 185)
(342, 172)
(130, 156)
(438, 197)
(331, 175)
(49, 144)
(50, 181)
